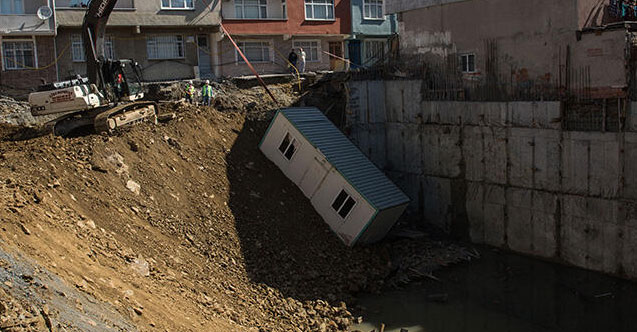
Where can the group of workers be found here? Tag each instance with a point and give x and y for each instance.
(207, 95)
(293, 58)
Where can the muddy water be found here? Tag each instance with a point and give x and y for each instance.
(507, 293)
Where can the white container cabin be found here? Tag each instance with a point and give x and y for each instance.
(357, 201)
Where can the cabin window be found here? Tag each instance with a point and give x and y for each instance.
(288, 146)
(343, 204)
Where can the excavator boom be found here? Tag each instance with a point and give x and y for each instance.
(93, 31)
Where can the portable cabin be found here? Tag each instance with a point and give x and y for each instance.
(357, 201)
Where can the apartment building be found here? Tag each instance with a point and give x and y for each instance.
(581, 42)
(266, 31)
(371, 33)
(171, 39)
(27, 49)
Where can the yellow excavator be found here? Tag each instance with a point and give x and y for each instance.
(109, 97)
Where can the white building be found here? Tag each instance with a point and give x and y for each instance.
(352, 195)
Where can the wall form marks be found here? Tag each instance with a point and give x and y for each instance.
(506, 174)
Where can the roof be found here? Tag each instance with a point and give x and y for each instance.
(345, 157)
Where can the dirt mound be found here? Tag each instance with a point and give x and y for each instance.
(184, 226)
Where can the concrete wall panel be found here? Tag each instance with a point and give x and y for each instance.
(475, 211)
(520, 150)
(575, 165)
(413, 163)
(430, 150)
(473, 153)
(494, 215)
(437, 202)
(450, 152)
(376, 102)
(495, 155)
(604, 165)
(546, 160)
(630, 166)
(395, 147)
(395, 98)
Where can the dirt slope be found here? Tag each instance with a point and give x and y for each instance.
(183, 226)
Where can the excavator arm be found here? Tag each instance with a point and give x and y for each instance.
(93, 31)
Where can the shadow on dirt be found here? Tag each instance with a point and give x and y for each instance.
(285, 243)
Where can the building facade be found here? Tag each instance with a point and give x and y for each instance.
(170, 39)
(27, 48)
(266, 31)
(371, 33)
(573, 44)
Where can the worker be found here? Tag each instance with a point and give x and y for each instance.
(190, 92)
(207, 94)
(302, 64)
(292, 57)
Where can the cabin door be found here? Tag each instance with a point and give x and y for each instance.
(313, 177)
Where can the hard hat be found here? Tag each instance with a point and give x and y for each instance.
(190, 81)
(207, 81)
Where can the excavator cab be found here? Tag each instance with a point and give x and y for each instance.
(123, 80)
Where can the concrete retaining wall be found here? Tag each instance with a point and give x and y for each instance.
(506, 174)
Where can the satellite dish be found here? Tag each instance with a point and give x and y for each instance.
(45, 12)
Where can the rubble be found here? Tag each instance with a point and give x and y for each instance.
(228, 243)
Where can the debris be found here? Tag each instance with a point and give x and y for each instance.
(25, 229)
(133, 187)
(140, 266)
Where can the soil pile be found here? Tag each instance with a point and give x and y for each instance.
(182, 226)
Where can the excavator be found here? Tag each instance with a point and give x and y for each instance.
(110, 97)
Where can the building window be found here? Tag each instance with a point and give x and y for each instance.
(77, 48)
(373, 9)
(177, 4)
(288, 146)
(343, 204)
(251, 8)
(468, 62)
(18, 54)
(11, 7)
(254, 51)
(165, 47)
(109, 47)
(374, 51)
(319, 9)
(312, 49)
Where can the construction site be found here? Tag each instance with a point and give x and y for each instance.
(408, 166)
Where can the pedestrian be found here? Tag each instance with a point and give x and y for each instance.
(207, 94)
(302, 64)
(190, 92)
(292, 57)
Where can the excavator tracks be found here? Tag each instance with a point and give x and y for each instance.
(125, 115)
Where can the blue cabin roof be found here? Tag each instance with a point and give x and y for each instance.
(346, 158)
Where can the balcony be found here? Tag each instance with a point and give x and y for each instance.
(23, 19)
(254, 10)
